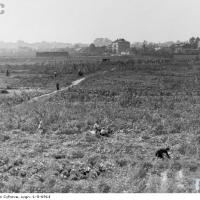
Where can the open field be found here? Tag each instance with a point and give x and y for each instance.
(148, 107)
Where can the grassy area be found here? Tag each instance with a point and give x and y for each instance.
(147, 107)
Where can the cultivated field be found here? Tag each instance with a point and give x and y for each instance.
(148, 107)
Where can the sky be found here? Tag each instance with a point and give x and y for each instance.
(75, 21)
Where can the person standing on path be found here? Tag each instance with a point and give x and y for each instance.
(55, 74)
(57, 86)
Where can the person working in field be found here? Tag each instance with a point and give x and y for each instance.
(57, 86)
(97, 127)
(55, 74)
(80, 73)
(7, 73)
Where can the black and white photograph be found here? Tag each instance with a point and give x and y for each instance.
(99, 96)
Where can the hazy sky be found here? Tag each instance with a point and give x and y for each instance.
(82, 21)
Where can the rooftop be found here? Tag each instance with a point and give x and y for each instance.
(120, 40)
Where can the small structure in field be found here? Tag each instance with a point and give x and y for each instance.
(105, 59)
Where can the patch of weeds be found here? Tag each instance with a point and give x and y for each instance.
(176, 166)
(192, 166)
(122, 162)
(14, 185)
(77, 154)
(160, 130)
(2, 185)
(4, 138)
(89, 189)
(67, 188)
(144, 168)
(182, 148)
(4, 92)
(103, 187)
(67, 131)
(176, 128)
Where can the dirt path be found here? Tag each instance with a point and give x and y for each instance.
(42, 97)
(180, 179)
(52, 93)
(163, 186)
(76, 82)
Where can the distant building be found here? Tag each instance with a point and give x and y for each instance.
(52, 54)
(185, 49)
(119, 46)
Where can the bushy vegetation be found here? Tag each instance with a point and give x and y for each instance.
(148, 108)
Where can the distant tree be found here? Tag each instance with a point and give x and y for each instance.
(195, 45)
(134, 50)
(77, 46)
(145, 42)
(102, 49)
(172, 47)
(192, 40)
(197, 40)
(144, 45)
(92, 47)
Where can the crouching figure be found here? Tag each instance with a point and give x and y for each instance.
(160, 153)
(80, 73)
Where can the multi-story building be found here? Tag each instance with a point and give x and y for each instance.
(120, 46)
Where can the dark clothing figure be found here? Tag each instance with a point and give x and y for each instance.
(80, 73)
(7, 73)
(160, 153)
(57, 86)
